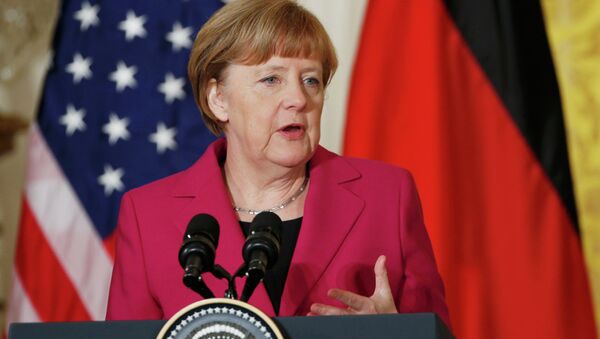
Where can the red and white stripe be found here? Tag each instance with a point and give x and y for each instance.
(62, 268)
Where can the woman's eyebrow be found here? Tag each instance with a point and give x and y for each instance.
(285, 68)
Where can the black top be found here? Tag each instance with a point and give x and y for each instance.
(275, 277)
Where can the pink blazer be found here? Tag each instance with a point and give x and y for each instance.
(355, 211)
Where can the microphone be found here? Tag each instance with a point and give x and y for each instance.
(260, 250)
(197, 253)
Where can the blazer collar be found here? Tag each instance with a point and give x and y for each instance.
(330, 211)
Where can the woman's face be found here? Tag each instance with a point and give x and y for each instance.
(272, 111)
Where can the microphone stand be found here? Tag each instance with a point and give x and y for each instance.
(198, 285)
(255, 272)
(220, 273)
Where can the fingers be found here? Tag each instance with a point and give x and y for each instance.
(382, 284)
(382, 296)
(320, 309)
(382, 300)
(355, 301)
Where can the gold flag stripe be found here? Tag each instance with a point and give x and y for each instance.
(573, 30)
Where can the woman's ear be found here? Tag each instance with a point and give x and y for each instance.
(216, 102)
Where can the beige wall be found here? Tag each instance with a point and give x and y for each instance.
(26, 28)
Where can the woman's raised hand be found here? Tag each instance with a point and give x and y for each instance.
(381, 301)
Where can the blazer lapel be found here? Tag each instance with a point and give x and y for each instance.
(330, 211)
(202, 190)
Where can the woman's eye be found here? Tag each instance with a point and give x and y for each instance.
(312, 81)
(271, 80)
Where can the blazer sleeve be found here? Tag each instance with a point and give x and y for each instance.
(129, 296)
(422, 289)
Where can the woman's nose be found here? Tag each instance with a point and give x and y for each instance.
(295, 96)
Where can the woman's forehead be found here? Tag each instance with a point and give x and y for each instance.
(259, 52)
(281, 64)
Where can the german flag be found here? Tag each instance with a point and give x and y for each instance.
(463, 93)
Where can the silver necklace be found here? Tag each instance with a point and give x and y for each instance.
(278, 207)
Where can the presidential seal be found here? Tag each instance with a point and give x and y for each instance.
(220, 318)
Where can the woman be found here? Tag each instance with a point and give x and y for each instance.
(259, 70)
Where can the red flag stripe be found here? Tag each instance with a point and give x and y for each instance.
(110, 245)
(43, 278)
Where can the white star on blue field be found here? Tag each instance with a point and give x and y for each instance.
(117, 110)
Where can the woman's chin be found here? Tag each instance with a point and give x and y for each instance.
(291, 159)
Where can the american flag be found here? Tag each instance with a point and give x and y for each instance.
(117, 112)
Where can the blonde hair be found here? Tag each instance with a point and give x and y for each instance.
(250, 32)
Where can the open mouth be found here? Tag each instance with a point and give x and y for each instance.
(293, 131)
(292, 128)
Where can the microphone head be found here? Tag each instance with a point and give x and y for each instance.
(203, 225)
(199, 243)
(267, 222)
(264, 236)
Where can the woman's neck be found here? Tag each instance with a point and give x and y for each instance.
(264, 187)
